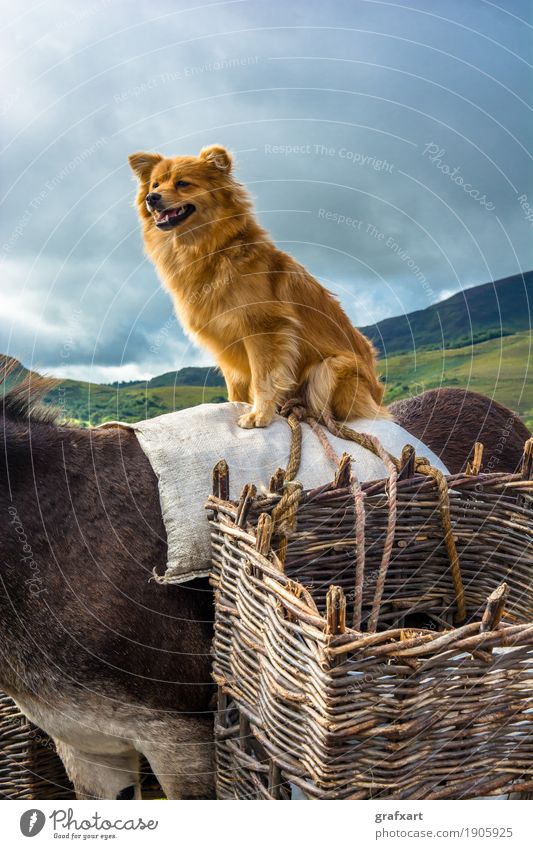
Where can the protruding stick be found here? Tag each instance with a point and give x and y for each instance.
(335, 611)
(275, 780)
(264, 534)
(344, 472)
(277, 480)
(221, 480)
(247, 496)
(527, 460)
(473, 467)
(244, 732)
(495, 607)
(407, 463)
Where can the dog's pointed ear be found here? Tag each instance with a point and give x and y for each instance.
(142, 164)
(219, 156)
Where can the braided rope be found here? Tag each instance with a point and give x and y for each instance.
(360, 553)
(365, 440)
(324, 441)
(359, 521)
(425, 468)
(392, 469)
(295, 457)
(372, 444)
(284, 515)
(285, 512)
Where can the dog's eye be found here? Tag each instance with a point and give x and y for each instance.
(180, 183)
(155, 185)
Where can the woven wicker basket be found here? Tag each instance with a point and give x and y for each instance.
(410, 705)
(30, 767)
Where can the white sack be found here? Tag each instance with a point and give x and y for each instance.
(183, 448)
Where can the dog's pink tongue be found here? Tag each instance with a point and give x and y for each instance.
(167, 215)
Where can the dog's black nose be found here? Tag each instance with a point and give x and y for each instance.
(153, 199)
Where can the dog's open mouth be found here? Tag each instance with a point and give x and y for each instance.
(170, 218)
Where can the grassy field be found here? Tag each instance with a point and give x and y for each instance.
(91, 403)
(498, 368)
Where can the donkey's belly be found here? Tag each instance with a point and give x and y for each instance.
(81, 724)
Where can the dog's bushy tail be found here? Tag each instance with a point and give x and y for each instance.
(346, 387)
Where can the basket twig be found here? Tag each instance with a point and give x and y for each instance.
(495, 607)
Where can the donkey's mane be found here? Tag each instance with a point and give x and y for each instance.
(23, 401)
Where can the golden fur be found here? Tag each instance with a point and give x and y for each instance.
(273, 329)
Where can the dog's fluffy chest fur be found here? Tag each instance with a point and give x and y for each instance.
(206, 293)
(217, 295)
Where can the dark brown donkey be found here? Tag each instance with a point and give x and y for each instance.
(109, 663)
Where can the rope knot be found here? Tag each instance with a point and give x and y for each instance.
(295, 407)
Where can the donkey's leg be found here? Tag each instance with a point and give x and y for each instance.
(101, 776)
(182, 759)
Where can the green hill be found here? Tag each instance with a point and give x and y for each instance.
(93, 403)
(489, 311)
(188, 376)
(479, 339)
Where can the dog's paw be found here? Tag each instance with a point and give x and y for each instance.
(254, 419)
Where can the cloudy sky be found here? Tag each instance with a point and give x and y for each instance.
(385, 144)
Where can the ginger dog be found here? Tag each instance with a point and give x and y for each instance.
(274, 331)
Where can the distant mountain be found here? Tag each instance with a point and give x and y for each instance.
(188, 376)
(483, 312)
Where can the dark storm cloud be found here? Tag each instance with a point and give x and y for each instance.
(385, 147)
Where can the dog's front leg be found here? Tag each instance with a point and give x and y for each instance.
(237, 380)
(238, 388)
(272, 358)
